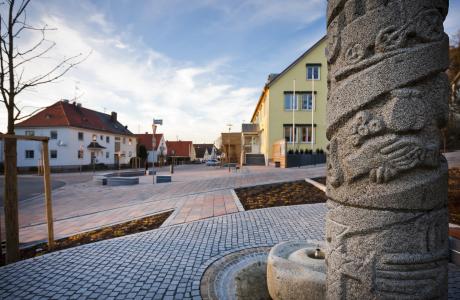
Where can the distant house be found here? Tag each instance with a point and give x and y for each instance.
(231, 147)
(154, 144)
(181, 150)
(78, 136)
(205, 151)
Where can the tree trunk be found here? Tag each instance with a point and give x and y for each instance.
(11, 196)
(11, 202)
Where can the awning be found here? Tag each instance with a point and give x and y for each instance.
(95, 146)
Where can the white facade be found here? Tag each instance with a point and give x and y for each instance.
(154, 155)
(66, 142)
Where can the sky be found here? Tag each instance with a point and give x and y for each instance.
(196, 64)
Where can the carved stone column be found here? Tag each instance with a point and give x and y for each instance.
(387, 222)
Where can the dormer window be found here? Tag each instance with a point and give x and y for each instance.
(48, 116)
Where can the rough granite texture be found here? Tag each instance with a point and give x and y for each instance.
(386, 226)
(292, 273)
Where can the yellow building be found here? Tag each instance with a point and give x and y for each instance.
(278, 111)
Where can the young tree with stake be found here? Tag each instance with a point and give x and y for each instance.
(15, 79)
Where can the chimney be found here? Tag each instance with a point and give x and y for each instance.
(78, 104)
(113, 116)
(65, 100)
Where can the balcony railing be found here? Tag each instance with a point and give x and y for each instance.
(249, 128)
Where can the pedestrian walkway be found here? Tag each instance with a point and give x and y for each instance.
(196, 193)
(166, 263)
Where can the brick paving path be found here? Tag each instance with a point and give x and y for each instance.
(84, 206)
(166, 263)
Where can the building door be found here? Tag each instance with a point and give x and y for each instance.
(255, 147)
(116, 160)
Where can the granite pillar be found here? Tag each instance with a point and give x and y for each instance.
(387, 221)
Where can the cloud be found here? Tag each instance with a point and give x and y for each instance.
(195, 101)
(452, 23)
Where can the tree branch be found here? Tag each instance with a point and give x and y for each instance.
(21, 10)
(17, 118)
(49, 77)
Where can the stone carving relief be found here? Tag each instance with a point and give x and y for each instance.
(386, 226)
(354, 54)
(406, 268)
(333, 47)
(386, 144)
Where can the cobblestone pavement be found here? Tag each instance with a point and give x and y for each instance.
(196, 193)
(166, 263)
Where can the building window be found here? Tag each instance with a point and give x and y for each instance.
(306, 101)
(313, 72)
(53, 154)
(107, 155)
(80, 136)
(80, 154)
(101, 137)
(288, 103)
(30, 154)
(30, 133)
(288, 134)
(94, 137)
(306, 134)
(53, 135)
(107, 139)
(124, 140)
(130, 141)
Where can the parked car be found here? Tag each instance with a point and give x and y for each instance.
(212, 162)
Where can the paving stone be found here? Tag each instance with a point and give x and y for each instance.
(170, 257)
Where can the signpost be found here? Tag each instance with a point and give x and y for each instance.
(154, 144)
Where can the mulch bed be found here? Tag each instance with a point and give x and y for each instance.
(127, 228)
(281, 194)
(301, 192)
(454, 196)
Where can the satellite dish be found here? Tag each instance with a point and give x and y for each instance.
(61, 143)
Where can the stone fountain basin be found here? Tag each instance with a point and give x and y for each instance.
(294, 273)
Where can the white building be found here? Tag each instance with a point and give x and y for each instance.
(78, 136)
(205, 152)
(155, 144)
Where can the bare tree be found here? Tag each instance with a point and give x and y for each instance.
(14, 63)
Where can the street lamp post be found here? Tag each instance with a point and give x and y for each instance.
(228, 151)
(173, 152)
(154, 143)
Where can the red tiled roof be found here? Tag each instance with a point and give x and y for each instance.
(146, 140)
(181, 148)
(63, 114)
